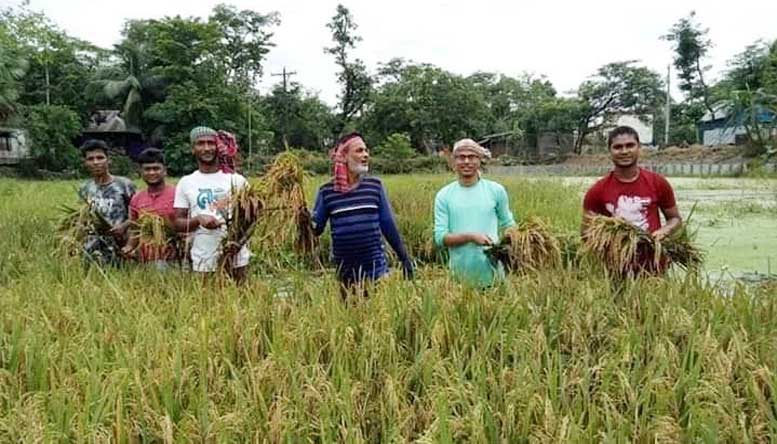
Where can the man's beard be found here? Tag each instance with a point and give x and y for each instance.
(358, 168)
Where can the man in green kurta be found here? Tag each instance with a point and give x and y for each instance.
(468, 215)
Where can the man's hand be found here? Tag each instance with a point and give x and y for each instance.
(407, 269)
(480, 239)
(128, 251)
(208, 222)
(661, 233)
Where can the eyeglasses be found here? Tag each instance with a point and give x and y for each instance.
(463, 157)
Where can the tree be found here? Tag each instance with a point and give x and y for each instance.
(244, 43)
(302, 117)
(12, 69)
(59, 66)
(354, 80)
(181, 72)
(616, 88)
(433, 106)
(395, 146)
(690, 44)
(52, 129)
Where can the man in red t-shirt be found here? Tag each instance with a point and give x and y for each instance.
(157, 198)
(630, 192)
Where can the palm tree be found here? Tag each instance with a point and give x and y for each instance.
(12, 68)
(137, 90)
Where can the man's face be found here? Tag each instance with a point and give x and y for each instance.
(96, 162)
(466, 162)
(358, 158)
(624, 150)
(153, 173)
(204, 150)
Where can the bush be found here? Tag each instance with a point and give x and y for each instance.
(396, 146)
(52, 129)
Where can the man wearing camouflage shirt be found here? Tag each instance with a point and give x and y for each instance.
(109, 196)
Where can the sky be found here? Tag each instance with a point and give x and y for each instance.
(566, 41)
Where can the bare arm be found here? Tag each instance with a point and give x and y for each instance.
(184, 223)
(673, 222)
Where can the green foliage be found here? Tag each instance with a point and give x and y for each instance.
(52, 130)
(419, 99)
(300, 119)
(355, 82)
(136, 355)
(395, 146)
(616, 88)
(690, 44)
(13, 67)
(60, 66)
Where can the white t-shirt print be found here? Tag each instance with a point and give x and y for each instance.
(632, 209)
(209, 194)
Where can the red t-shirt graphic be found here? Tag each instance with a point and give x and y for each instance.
(636, 202)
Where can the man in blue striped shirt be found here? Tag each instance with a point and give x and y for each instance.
(360, 216)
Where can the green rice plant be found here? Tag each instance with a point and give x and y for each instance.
(557, 355)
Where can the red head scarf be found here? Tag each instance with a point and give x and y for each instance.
(339, 156)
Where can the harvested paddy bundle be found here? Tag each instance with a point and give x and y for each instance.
(283, 184)
(274, 208)
(627, 251)
(154, 233)
(528, 246)
(79, 223)
(245, 208)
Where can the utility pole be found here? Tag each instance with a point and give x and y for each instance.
(286, 75)
(668, 111)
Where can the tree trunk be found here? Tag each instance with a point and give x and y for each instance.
(48, 85)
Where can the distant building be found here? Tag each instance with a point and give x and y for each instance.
(722, 128)
(14, 146)
(108, 125)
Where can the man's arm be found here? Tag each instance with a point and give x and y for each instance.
(673, 222)
(184, 223)
(388, 227)
(442, 235)
(319, 217)
(503, 213)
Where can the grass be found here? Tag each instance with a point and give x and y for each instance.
(134, 355)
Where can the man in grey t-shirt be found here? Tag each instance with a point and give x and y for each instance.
(110, 196)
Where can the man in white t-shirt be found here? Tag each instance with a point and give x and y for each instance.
(202, 202)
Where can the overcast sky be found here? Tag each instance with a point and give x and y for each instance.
(564, 40)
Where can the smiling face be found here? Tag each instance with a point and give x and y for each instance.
(153, 173)
(466, 162)
(204, 150)
(624, 150)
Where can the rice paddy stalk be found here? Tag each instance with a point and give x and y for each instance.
(530, 245)
(628, 251)
(77, 224)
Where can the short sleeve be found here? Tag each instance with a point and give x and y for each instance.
(133, 208)
(593, 200)
(180, 201)
(666, 197)
(503, 212)
(441, 227)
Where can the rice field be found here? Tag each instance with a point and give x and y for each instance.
(140, 356)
